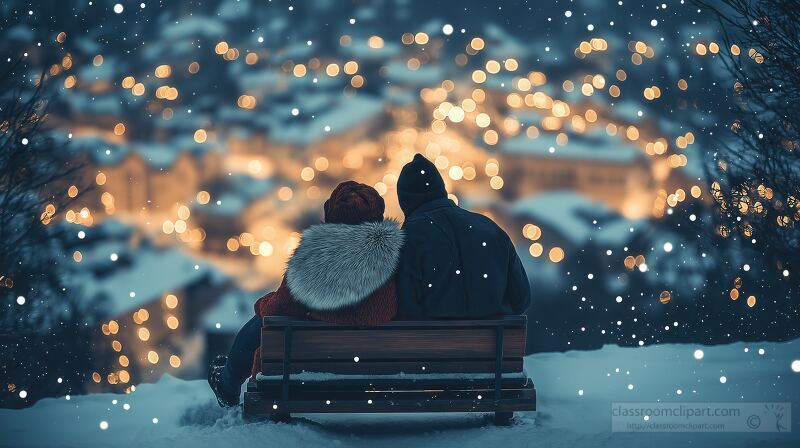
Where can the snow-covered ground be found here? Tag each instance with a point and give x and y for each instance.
(187, 415)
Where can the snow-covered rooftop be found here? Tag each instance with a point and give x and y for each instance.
(191, 26)
(502, 44)
(232, 311)
(594, 146)
(341, 116)
(239, 192)
(398, 72)
(157, 155)
(573, 216)
(360, 50)
(151, 273)
(86, 103)
(101, 151)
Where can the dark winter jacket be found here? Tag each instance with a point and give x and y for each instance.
(455, 263)
(458, 264)
(340, 273)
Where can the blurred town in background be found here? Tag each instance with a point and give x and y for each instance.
(212, 133)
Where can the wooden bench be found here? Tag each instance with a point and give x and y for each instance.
(399, 366)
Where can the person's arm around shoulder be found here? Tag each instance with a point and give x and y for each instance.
(408, 279)
(518, 289)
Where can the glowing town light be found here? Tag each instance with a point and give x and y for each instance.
(168, 227)
(128, 82)
(556, 254)
(350, 67)
(299, 70)
(536, 249)
(321, 164)
(332, 69)
(200, 135)
(203, 197)
(152, 357)
(700, 49)
(138, 89)
(478, 76)
(163, 71)
(307, 174)
(180, 226)
(265, 249)
(357, 81)
(285, 193)
(171, 301)
(375, 42)
(491, 137)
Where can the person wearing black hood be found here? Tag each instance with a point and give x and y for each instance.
(455, 264)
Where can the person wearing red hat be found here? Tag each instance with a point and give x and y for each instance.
(341, 272)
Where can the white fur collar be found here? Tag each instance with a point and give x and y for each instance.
(339, 265)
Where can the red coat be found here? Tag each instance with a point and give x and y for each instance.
(340, 273)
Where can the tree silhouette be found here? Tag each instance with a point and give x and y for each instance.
(755, 178)
(44, 334)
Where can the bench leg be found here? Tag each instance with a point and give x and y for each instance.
(503, 418)
(280, 417)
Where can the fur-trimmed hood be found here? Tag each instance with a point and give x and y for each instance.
(339, 265)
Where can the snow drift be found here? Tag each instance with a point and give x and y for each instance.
(575, 391)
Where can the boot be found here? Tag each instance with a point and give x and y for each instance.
(225, 398)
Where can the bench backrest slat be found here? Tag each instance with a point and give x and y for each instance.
(394, 347)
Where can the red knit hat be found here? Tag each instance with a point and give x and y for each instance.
(354, 203)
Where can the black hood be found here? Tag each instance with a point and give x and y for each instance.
(419, 183)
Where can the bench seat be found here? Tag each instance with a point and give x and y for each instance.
(412, 366)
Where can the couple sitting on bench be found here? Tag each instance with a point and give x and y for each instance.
(359, 269)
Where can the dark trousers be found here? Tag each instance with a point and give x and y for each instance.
(240, 358)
